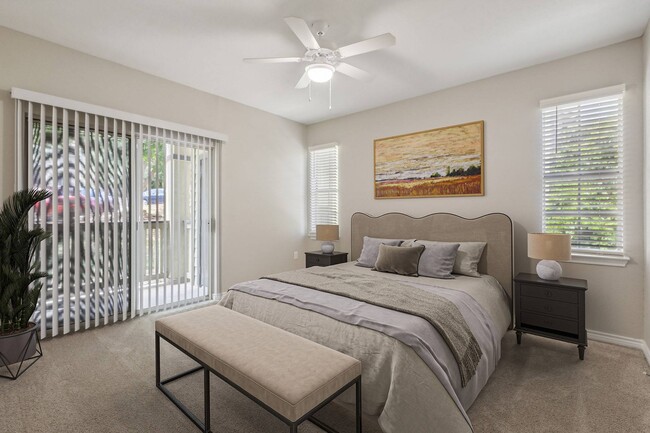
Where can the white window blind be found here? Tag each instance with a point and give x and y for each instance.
(132, 216)
(582, 152)
(323, 186)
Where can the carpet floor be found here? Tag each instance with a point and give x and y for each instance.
(102, 380)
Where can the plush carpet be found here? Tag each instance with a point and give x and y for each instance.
(102, 380)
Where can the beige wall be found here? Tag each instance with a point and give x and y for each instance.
(263, 176)
(646, 122)
(509, 105)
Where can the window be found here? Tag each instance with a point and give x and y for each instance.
(582, 152)
(323, 186)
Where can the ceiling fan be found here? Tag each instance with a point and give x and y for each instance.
(323, 62)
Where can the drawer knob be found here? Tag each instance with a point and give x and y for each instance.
(548, 294)
(548, 308)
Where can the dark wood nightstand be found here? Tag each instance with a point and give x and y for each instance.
(318, 258)
(553, 309)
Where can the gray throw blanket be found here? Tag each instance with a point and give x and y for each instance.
(441, 313)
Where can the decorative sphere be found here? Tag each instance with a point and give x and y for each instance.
(549, 270)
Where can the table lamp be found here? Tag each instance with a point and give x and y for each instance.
(548, 248)
(327, 233)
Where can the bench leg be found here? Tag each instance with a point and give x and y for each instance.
(320, 424)
(206, 397)
(358, 389)
(204, 425)
(293, 428)
(157, 360)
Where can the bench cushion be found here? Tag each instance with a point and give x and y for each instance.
(288, 373)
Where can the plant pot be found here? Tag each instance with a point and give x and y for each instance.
(14, 345)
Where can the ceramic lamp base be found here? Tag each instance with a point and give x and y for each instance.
(327, 247)
(549, 270)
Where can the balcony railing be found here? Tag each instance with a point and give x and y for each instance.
(169, 268)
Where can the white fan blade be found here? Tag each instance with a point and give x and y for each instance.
(303, 82)
(275, 60)
(354, 72)
(377, 43)
(301, 29)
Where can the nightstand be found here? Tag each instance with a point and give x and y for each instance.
(553, 309)
(318, 258)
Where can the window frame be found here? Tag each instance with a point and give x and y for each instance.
(582, 255)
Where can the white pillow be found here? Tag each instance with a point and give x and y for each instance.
(370, 250)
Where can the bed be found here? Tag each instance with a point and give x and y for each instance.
(411, 381)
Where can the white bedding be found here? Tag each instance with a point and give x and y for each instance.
(399, 388)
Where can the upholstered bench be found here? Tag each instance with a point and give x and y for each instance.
(288, 375)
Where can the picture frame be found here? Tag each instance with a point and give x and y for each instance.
(440, 162)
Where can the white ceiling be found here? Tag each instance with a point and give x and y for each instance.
(440, 43)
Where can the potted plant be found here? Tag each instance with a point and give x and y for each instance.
(20, 276)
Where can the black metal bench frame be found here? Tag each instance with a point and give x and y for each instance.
(204, 426)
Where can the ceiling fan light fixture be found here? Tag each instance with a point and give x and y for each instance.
(320, 72)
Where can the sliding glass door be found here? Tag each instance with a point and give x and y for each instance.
(131, 216)
(174, 220)
(87, 257)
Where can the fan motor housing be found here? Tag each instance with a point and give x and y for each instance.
(323, 55)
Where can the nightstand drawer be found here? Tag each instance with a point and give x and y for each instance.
(549, 293)
(548, 322)
(313, 260)
(316, 258)
(546, 306)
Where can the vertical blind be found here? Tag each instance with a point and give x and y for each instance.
(131, 215)
(323, 186)
(582, 151)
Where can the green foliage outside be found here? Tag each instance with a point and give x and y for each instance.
(153, 160)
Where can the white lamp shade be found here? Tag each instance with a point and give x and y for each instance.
(549, 246)
(320, 72)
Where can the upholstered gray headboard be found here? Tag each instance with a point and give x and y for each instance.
(494, 228)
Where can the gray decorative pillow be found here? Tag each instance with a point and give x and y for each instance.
(370, 250)
(438, 259)
(398, 260)
(467, 258)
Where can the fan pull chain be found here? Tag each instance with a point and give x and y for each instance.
(310, 91)
(330, 94)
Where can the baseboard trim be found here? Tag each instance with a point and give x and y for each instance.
(619, 340)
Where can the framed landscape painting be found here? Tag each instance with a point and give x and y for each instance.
(442, 162)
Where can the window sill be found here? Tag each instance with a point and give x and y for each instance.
(600, 259)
